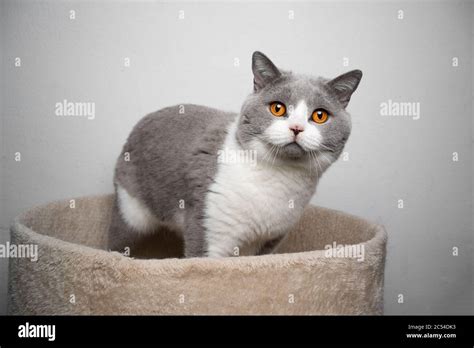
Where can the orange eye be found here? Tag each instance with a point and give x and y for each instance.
(277, 109)
(320, 116)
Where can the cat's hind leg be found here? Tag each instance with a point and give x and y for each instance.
(131, 219)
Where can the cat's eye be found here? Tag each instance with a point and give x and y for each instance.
(278, 109)
(320, 116)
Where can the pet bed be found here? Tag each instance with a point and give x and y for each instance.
(74, 273)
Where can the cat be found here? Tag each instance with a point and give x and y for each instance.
(172, 172)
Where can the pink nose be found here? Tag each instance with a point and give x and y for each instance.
(296, 129)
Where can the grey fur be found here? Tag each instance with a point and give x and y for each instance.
(173, 156)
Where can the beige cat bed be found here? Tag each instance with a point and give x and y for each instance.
(74, 275)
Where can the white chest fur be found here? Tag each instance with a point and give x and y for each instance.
(250, 203)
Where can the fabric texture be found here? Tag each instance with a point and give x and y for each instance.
(75, 275)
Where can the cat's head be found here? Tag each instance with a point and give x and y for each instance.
(296, 118)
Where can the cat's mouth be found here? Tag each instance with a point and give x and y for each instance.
(292, 151)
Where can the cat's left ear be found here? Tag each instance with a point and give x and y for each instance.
(346, 84)
(264, 71)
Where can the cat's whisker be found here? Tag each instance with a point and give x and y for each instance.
(319, 165)
(309, 162)
(268, 156)
(270, 153)
(326, 158)
(320, 171)
(326, 147)
(267, 153)
(276, 154)
(273, 154)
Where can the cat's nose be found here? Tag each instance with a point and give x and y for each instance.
(296, 129)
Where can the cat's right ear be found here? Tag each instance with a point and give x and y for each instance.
(345, 85)
(264, 71)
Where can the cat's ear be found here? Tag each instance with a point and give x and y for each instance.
(346, 84)
(264, 71)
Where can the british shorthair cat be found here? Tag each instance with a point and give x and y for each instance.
(232, 181)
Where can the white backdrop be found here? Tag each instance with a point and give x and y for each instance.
(416, 52)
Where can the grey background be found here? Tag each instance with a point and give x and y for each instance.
(192, 60)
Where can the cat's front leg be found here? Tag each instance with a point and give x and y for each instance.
(223, 247)
(202, 241)
(194, 235)
(224, 236)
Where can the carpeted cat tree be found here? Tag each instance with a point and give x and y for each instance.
(75, 275)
